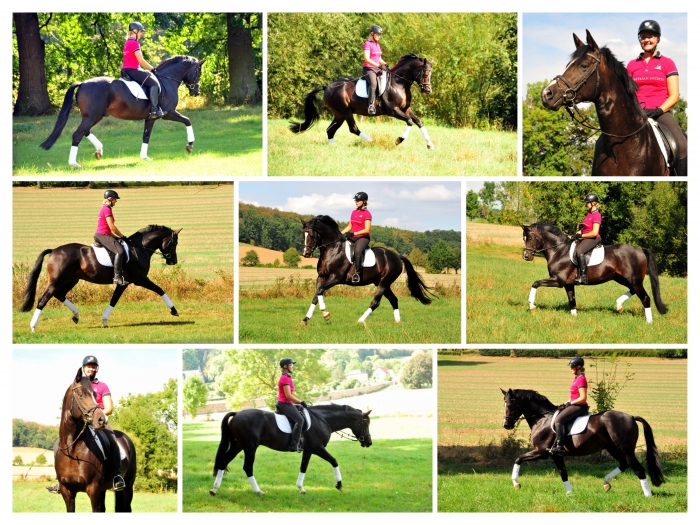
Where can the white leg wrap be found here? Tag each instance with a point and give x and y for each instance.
(364, 316)
(366, 137)
(190, 133)
(167, 300)
(647, 313)
(321, 304)
(254, 485)
(405, 133)
(531, 299)
(92, 138)
(330, 141)
(574, 312)
(397, 316)
(105, 315)
(71, 307)
(217, 481)
(73, 157)
(144, 152)
(516, 473)
(311, 311)
(424, 131)
(300, 481)
(622, 299)
(646, 488)
(568, 488)
(336, 473)
(612, 474)
(35, 319)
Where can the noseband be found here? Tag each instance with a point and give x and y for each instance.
(316, 240)
(420, 78)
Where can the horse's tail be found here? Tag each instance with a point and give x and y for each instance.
(653, 459)
(62, 117)
(30, 290)
(416, 286)
(311, 115)
(226, 440)
(654, 277)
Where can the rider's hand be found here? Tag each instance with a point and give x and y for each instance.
(577, 236)
(654, 113)
(349, 235)
(303, 403)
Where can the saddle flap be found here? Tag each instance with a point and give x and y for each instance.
(593, 257)
(667, 142)
(361, 85)
(135, 88)
(577, 426)
(368, 258)
(283, 422)
(105, 257)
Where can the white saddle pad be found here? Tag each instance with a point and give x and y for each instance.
(370, 259)
(122, 452)
(659, 139)
(596, 257)
(136, 88)
(103, 255)
(579, 425)
(361, 86)
(283, 422)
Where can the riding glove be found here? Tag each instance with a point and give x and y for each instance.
(577, 236)
(654, 113)
(349, 235)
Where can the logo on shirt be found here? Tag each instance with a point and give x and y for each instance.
(658, 66)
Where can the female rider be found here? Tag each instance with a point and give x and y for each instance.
(357, 231)
(286, 401)
(109, 236)
(133, 58)
(373, 61)
(657, 78)
(575, 407)
(589, 235)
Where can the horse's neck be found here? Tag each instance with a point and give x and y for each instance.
(404, 75)
(153, 242)
(551, 241)
(534, 413)
(617, 111)
(337, 421)
(68, 429)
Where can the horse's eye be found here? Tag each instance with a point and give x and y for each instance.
(584, 65)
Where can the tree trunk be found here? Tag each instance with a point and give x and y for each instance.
(33, 97)
(243, 87)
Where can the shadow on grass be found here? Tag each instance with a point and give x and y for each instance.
(153, 323)
(450, 362)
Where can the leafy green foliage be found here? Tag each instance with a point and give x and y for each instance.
(440, 257)
(40, 459)
(418, 372)
(472, 204)
(251, 258)
(194, 393)
(17, 461)
(607, 386)
(30, 434)
(291, 257)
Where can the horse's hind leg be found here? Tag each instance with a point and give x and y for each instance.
(638, 469)
(118, 291)
(43, 300)
(381, 289)
(354, 129)
(393, 300)
(61, 296)
(99, 151)
(248, 469)
(179, 117)
(83, 131)
(561, 467)
(306, 457)
(147, 128)
(422, 128)
(334, 126)
(646, 300)
(228, 458)
(620, 458)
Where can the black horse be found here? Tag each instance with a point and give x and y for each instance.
(627, 146)
(334, 268)
(79, 462)
(70, 263)
(103, 96)
(341, 99)
(248, 429)
(623, 263)
(611, 430)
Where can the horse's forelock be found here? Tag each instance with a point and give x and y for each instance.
(87, 385)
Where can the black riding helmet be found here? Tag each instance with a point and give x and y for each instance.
(287, 361)
(649, 25)
(576, 361)
(90, 359)
(111, 194)
(136, 26)
(376, 29)
(361, 196)
(591, 197)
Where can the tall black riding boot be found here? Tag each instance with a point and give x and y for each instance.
(118, 272)
(558, 448)
(582, 270)
(296, 434)
(682, 167)
(156, 112)
(357, 276)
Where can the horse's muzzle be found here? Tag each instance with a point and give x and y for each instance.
(508, 426)
(306, 252)
(528, 255)
(552, 97)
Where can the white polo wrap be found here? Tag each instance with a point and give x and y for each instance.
(190, 133)
(321, 304)
(397, 316)
(568, 488)
(71, 306)
(167, 300)
(336, 473)
(311, 311)
(92, 138)
(365, 316)
(612, 474)
(646, 488)
(73, 156)
(647, 313)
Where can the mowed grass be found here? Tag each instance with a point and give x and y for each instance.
(32, 496)
(470, 416)
(228, 141)
(279, 321)
(393, 475)
(498, 285)
(458, 151)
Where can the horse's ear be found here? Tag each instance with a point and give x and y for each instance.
(366, 414)
(510, 391)
(577, 41)
(591, 42)
(177, 231)
(201, 62)
(504, 392)
(302, 221)
(79, 375)
(525, 227)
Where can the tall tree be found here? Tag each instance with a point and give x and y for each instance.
(241, 68)
(32, 96)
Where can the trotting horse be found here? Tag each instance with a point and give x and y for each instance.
(79, 462)
(341, 99)
(334, 268)
(103, 96)
(627, 146)
(623, 263)
(248, 429)
(70, 263)
(613, 431)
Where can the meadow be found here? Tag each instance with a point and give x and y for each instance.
(458, 151)
(498, 284)
(476, 455)
(228, 141)
(32, 496)
(200, 285)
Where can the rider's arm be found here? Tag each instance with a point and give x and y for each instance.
(107, 402)
(288, 394)
(347, 228)
(370, 61)
(673, 93)
(593, 233)
(142, 61)
(582, 396)
(366, 229)
(113, 227)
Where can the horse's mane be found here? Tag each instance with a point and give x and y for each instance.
(549, 227)
(617, 67)
(328, 221)
(532, 395)
(333, 409)
(406, 58)
(173, 61)
(152, 228)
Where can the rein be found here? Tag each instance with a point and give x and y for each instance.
(544, 249)
(166, 256)
(350, 437)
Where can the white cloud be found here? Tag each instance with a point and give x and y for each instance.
(253, 203)
(436, 192)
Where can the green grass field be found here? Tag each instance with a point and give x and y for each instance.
(474, 468)
(201, 285)
(498, 285)
(279, 321)
(390, 476)
(228, 141)
(32, 496)
(457, 151)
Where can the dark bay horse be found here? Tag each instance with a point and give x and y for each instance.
(340, 98)
(248, 429)
(627, 146)
(623, 263)
(334, 268)
(613, 431)
(70, 263)
(79, 462)
(104, 96)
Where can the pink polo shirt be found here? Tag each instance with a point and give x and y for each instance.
(591, 218)
(651, 78)
(357, 221)
(102, 226)
(375, 52)
(130, 60)
(284, 380)
(101, 390)
(579, 382)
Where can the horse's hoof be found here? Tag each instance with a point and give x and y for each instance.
(430, 146)
(212, 492)
(173, 311)
(339, 485)
(75, 319)
(607, 487)
(260, 492)
(326, 315)
(532, 307)
(620, 309)
(146, 158)
(33, 329)
(189, 148)
(302, 491)
(98, 154)
(304, 322)
(399, 140)
(76, 165)
(516, 486)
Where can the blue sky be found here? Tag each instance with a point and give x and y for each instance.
(417, 206)
(49, 372)
(548, 40)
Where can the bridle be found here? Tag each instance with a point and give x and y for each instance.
(364, 436)
(522, 417)
(534, 250)
(159, 251)
(192, 86)
(86, 415)
(421, 78)
(316, 240)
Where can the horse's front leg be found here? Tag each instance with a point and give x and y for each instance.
(561, 467)
(551, 282)
(248, 469)
(146, 283)
(533, 455)
(571, 294)
(118, 291)
(179, 117)
(68, 497)
(302, 470)
(420, 125)
(95, 495)
(147, 128)
(322, 284)
(323, 454)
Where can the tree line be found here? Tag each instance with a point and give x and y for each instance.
(50, 51)
(651, 215)
(474, 76)
(30, 434)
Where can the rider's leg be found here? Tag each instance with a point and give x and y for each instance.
(361, 244)
(682, 161)
(371, 77)
(115, 458)
(583, 247)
